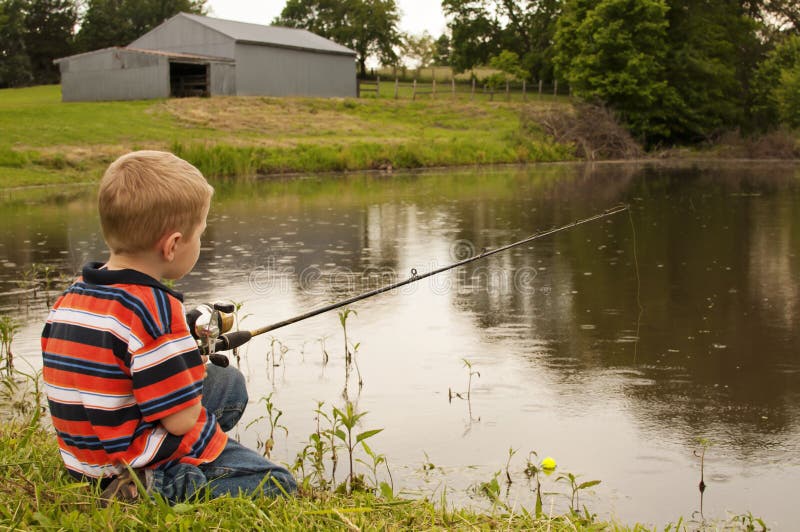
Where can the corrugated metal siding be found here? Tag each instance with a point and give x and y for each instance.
(180, 34)
(283, 72)
(223, 79)
(114, 75)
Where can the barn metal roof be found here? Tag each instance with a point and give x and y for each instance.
(270, 35)
(171, 55)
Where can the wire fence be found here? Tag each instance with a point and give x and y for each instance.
(518, 91)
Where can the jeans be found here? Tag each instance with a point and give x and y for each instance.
(237, 469)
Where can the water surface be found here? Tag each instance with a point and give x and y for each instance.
(614, 370)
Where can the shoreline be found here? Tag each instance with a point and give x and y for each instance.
(299, 175)
(47, 142)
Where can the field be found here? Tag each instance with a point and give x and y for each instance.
(46, 141)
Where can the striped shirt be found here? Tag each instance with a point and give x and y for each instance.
(117, 358)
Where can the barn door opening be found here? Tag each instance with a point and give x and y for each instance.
(188, 79)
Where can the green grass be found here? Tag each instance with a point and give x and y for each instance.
(37, 493)
(46, 141)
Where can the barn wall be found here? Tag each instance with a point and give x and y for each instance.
(180, 34)
(114, 75)
(223, 79)
(276, 71)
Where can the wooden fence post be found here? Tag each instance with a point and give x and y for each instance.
(396, 88)
(453, 85)
(414, 90)
(540, 89)
(555, 88)
(378, 87)
(524, 92)
(508, 94)
(472, 94)
(433, 92)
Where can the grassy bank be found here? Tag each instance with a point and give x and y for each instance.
(38, 494)
(46, 141)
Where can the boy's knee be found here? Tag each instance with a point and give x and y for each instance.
(225, 395)
(228, 379)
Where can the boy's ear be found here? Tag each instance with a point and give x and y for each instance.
(168, 244)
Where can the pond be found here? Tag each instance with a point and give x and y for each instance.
(616, 347)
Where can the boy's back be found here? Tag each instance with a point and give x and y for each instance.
(117, 357)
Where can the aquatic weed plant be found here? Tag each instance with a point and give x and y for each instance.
(38, 493)
(41, 279)
(8, 329)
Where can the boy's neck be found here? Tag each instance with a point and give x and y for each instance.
(148, 263)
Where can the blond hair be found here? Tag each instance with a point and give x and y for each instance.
(145, 195)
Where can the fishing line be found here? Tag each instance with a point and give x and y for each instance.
(638, 288)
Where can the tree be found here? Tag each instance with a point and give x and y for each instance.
(788, 95)
(420, 48)
(369, 27)
(482, 29)
(508, 63)
(15, 67)
(677, 70)
(32, 34)
(474, 33)
(49, 34)
(441, 50)
(509, 67)
(713, 51)
(613, 52)
(773, 83)
(780, 15)
(119, 22)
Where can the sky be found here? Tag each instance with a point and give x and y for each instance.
(416, 15)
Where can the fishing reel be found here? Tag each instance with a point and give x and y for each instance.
(207, 324)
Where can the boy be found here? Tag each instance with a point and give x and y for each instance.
(124, 378)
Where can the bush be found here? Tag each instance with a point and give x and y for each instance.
(593, 130)
(777, 144)
(788, 96)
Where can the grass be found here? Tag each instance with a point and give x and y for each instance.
(46, 141)
(38, 493)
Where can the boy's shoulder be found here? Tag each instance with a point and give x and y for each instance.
(128, 280)
(130, 297)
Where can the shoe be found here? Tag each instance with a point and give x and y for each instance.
(123, 488)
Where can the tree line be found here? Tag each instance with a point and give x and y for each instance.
(35, 32)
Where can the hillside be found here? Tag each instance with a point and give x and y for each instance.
(46, 141)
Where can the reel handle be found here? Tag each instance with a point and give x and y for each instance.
(219, 360)
(226, 342)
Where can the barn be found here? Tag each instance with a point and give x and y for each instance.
(193, 55)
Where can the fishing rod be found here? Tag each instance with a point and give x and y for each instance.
(216, 319)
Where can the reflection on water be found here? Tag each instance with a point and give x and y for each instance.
(551, 327)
